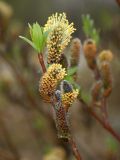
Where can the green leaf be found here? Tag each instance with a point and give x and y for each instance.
(28, 41)
(30, 28)
(69, 78)
(38, 37)
(111, 143)
(85, 96)
(72, 71)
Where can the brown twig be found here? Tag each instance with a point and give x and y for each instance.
(104, 110)
(40, 57)
(107, 126)
(74, 149)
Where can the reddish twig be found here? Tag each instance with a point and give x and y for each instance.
(118, 2)
(104, 110)
(40, 57)
(75, 149)
(107, 125)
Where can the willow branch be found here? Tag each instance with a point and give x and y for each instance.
(41, 61)
(74, 148)
(70, 140)
(105, 125)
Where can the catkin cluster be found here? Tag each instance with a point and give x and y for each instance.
(59, 35)
(103, 85)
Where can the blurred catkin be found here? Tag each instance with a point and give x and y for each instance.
(105, 55)
(106, 77)
(75, 54)
(90, 51)
(49, 81)
(6, 13)
(59, 36)
(75, 51)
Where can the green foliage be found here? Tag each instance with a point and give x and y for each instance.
(89, 28)
(39, 123)
(85, 96)
(72, 71)
(111, 144)
(38, 37)
(70, 76)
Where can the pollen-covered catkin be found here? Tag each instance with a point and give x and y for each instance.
(69, 95)
(59, 36)
(48, 83)
(90, 52)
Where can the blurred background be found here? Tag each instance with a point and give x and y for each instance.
(27, 129)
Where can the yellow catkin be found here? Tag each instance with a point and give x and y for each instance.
(69, 98)
(105, 55)
(90, 51)
(49, 81)
(59, 36)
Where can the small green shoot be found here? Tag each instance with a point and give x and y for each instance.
(38, 37)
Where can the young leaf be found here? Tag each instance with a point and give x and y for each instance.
(28, 41)
(89, 28)
(38, 37)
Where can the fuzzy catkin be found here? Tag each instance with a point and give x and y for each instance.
(106, 77)
(105, 55)
(59, 36)
(75, 51)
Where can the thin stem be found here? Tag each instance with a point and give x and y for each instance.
(41, 60)
(74, 148)
(104, 110)
(107, 126)
(97, 73)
